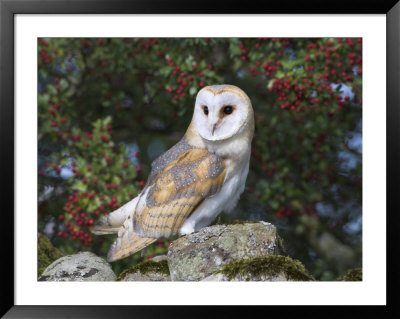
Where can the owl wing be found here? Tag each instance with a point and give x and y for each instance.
(182, 186)
(169, 199)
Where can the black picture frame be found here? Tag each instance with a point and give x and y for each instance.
(8, 10)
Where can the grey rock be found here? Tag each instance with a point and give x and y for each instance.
(206, 233)
(84, 266)
(159, 258)
(196, 256)
(150, 276)
(221, 277)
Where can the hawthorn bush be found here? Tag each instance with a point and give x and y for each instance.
(109, 106)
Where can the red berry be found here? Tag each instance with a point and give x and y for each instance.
(52, 111)
(43, 42)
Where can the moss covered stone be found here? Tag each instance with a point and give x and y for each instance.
(234, 222)
(47, 253)
(146, 268)
(198, 255)
(281, 245)
(352, 275)
(266, 268)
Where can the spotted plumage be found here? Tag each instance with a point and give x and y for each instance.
(191, 183)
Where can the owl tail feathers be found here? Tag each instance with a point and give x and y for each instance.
(128, 244)
(103, 227)
(112, 223)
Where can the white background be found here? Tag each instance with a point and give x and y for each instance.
(373, 288)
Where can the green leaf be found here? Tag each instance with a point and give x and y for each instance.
(79, 186)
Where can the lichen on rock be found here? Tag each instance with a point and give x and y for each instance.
(206, 233)
(265, 268)
(47, 253)
(147, 271)
(196, 256)
(84, 266)
(352, 275)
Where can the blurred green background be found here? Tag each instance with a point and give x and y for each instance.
(109, 106)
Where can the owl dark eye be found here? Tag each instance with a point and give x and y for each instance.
(205, 110)
(228, 109)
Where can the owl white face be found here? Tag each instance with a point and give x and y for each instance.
(220, 112)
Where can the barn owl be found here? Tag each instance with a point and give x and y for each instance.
(191, 183)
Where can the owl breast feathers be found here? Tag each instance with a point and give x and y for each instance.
(191, 183)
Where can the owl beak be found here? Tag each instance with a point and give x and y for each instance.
(213, 129)
(215, 126)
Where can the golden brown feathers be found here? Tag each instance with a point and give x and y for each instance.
(172, 194)
(180, 188)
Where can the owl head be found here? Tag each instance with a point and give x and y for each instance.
(221, 111)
